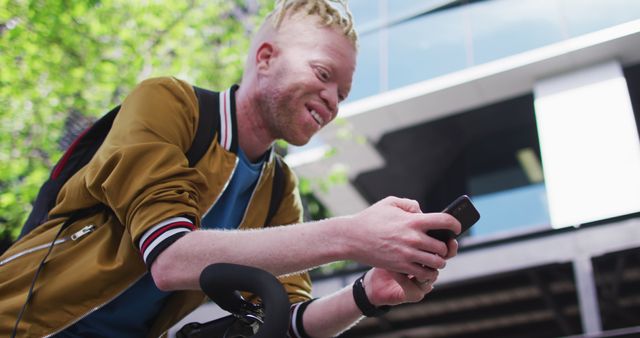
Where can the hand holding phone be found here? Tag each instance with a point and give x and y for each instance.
(464, 211)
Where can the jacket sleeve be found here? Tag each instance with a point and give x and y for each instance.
(141, 171)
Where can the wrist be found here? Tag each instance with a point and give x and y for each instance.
(366, 283)
(339, 230)
(363, 302)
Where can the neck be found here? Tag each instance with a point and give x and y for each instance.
(253, 135)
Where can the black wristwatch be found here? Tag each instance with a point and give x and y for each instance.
(363, 303)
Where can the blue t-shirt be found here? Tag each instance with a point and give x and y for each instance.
(228, 212)
(132, 313)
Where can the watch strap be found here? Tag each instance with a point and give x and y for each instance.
(363, 303)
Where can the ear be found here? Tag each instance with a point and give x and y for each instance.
(265, 54)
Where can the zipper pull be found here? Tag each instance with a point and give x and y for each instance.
(86, 230)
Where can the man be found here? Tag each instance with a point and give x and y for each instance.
(136, 273)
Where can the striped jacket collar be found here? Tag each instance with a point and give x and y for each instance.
(228, 137)
(228, 123)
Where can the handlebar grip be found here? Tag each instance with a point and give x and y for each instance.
(221, 281)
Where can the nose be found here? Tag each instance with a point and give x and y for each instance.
(330, 96)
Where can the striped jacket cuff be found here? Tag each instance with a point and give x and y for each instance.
(296, 327)
(160, 236)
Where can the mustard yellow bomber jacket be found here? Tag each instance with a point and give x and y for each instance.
(142, 175)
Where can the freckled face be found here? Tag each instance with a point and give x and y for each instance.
(301, 83)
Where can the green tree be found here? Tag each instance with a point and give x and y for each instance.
(62, 58)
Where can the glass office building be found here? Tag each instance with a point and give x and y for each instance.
(531, 107)
(403, 41)
(407, 43)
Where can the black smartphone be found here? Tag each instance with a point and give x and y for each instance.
(464, 211)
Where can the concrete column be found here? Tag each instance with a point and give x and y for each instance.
(587, 295)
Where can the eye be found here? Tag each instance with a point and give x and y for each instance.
(323, 74)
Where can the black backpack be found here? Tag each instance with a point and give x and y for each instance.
(86, 144)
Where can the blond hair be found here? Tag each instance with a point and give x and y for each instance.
(325, 10)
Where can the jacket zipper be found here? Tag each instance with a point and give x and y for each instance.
(74, 237)
(226, 185)
(246, 210)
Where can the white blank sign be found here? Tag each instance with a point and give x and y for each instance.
(589, 144)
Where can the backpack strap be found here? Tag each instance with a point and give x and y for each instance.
(277, 191)
(66, 167)
(72, 161)
(208, 123)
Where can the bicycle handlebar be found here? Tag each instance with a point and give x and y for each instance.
(221, 281)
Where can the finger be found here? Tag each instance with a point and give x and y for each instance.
(421, 283)
(428, 260)
(426, 288)
(430, 244)
(437, 220)
(426, 275)
(424, 285)
(420, 272)
(415, 289)
(452, 248)
(410, 283)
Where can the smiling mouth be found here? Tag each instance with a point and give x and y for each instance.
(317, 117)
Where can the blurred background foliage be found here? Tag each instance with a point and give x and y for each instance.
(63, 63)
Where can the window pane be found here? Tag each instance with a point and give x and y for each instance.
(365, 12)
(366, 80)
(400, 8)
(584, 16)
(505, 27)
(508, 210)
(426, 47)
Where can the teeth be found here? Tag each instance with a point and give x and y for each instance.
(317, 117)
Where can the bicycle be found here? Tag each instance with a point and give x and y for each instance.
(221, 282)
